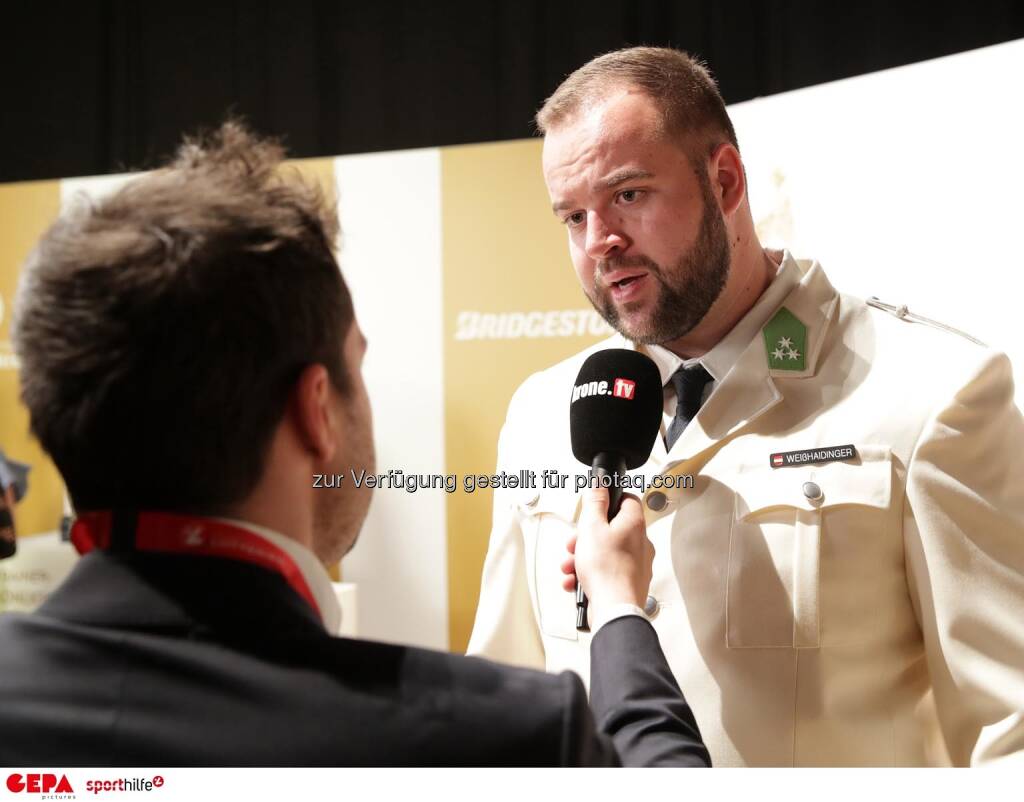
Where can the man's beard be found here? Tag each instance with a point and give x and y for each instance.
(339, 513)
(688, 288)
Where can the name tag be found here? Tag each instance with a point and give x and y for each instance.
(813, 456)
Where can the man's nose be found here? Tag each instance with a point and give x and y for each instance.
(604, 238)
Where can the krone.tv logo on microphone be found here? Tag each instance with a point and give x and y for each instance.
(623, 388)
(620, 388)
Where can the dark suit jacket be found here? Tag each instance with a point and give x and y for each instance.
(142, 659)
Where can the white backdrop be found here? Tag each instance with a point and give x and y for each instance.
(904, 184)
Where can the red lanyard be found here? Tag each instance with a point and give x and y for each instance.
(184, 534)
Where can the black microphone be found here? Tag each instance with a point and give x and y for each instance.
(614, 417)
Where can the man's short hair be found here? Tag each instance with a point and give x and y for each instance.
(161, 329)
(691, 106)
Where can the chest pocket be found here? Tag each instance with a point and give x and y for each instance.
(548, 522)
(779, 533)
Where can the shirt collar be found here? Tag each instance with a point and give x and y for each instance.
(317, 578)
(721, 358)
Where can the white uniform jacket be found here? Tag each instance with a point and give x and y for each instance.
(874, 617)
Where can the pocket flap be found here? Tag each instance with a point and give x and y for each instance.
(866, 481)
(560, 503)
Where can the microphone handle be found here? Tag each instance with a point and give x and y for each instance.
(8, 543)
(611, 466)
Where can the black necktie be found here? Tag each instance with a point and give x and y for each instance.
(689, 385)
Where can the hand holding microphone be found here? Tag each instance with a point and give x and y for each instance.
(612, 560)
(13, 486)
(8, 534)
(614, 416)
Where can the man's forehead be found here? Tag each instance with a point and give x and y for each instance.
(622, 120)
(613, 113)
(601, 141)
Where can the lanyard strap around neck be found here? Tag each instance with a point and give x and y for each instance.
(168, 533)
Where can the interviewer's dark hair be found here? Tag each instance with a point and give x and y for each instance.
(160, 330)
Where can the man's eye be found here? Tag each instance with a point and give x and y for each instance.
(630, 195)
(575, 219)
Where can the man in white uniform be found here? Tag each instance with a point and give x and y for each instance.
(839, 576)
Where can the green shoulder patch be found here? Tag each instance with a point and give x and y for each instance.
(785, 341)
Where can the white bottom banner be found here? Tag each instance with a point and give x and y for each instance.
(496, 785)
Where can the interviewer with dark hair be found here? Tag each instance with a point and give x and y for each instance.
(190, 360)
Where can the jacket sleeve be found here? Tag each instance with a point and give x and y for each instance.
(505, 628)
(636, 704)
(964, 544)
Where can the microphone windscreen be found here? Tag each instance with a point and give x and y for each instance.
(616, 407)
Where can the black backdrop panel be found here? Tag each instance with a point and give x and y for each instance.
(99, 87)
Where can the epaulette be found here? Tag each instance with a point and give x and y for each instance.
(903, 313)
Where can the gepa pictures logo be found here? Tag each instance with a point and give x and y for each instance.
(620, 388)
(39, 784)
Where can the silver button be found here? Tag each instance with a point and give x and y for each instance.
(657, 501)
(651, 607)
(812, 491)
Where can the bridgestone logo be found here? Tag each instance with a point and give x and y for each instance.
(620, 388)
(471, 325)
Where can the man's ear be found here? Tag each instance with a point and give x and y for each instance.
(313, 413)
(728, 179)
